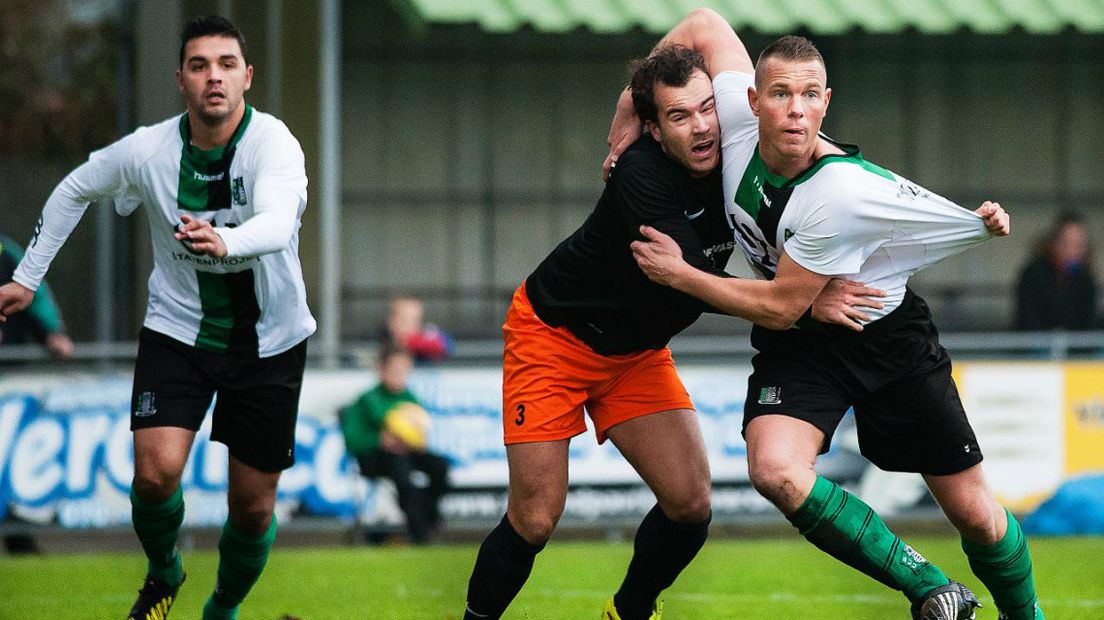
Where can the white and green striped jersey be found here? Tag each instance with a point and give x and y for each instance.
(254, 190)
(843, 216)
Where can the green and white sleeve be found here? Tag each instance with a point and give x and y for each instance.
(102, 176)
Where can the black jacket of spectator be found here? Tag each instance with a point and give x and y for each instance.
(1047, 298)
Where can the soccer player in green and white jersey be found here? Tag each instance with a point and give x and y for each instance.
(224, 186)
(805, 209)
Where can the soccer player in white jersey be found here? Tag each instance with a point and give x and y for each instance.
(224, 186)
(805, 209)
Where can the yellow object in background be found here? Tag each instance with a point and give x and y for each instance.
(410, 423)
(1084, 418)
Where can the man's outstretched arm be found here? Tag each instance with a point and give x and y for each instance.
(774, 304)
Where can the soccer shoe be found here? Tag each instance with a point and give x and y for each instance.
(154, 600)
(953, 601)
(609, 612)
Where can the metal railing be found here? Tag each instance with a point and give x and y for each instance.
(1054, 345)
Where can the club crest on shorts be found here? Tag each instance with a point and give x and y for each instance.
(770, 395)
(146, 405)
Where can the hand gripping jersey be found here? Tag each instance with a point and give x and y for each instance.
(843, 216)
(254, 190)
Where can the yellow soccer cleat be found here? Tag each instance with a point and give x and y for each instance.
(154, 600)
(609, 612)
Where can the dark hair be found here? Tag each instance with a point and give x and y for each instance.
(670, 65)
(1064, 218)
(790, 47)
(389, 351)
(211, 25)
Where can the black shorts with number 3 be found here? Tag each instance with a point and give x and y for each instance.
(257, 404)
(895, 374)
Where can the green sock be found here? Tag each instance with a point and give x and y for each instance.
(158, 526)
(241, 560)
(1005, 569)
(845, 528)
(212, 611)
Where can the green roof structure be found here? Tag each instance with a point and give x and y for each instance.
(828, 17)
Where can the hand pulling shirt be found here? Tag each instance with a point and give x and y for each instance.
(252, 302)
(843, 216)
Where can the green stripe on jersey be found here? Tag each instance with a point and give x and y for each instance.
(218, 316)
(230, 313)
(851, 154)
(851, 158)
(228, 300)
(876, 169)
(749, 194)
(204, 183)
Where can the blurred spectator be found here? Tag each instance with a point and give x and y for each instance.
(1057, 288)
(41, 321)
(386, 431)
(405, 330)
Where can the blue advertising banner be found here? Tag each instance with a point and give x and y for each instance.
(66, 454)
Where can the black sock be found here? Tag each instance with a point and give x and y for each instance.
(504, 562)
(662, 549)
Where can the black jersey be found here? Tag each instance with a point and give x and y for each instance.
(591, 284)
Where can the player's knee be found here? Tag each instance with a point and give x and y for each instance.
(978, 525)
(251, 514)
(772, 479)
(251, 520)
(767, 478)
(692, 507)
(153, 485)
(535, 526)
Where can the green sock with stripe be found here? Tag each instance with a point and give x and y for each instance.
(242, 558)
(1005, 569)
(158, 527)
(845, 528)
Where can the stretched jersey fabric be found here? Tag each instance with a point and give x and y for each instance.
(252, 302)
(590, 283)
(843, 216)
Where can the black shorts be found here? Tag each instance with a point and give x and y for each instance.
(257, 405)
(895, 374)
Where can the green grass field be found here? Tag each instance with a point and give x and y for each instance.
(746, 579)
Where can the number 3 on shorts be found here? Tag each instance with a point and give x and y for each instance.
(520, 419)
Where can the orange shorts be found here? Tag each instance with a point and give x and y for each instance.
(549, 376)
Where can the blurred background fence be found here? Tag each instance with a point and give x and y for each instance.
(470, 133)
